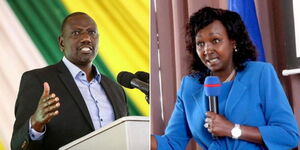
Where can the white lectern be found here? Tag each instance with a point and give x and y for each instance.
(127, 133)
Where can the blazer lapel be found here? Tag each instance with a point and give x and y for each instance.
(70, 84)
(197, 107)
(201, 101)
(237, 90)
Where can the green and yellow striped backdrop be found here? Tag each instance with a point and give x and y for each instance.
(123, 43)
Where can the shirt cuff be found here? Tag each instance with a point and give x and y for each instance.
(35, 135)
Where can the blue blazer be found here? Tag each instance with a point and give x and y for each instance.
(256, 99)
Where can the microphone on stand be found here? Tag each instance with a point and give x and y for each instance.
(143, 76)
(131, 81)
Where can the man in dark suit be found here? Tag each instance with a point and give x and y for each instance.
(80, 99)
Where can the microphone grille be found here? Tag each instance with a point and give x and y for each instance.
(212, 86)
(143, 76)
(124, 78)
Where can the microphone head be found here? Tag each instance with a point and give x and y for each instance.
(124, 78)
(212, 86)
(143, 76)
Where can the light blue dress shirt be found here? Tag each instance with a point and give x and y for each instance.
(99, 107)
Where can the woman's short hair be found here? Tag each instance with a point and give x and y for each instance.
(235, 29)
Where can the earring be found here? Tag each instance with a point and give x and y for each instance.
(235, 49)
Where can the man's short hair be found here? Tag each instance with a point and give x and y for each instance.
(67, 18)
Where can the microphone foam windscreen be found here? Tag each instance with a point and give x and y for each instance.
(143, 76)
(212, 86)
(124, 78)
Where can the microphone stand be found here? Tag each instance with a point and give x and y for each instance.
(147, 98)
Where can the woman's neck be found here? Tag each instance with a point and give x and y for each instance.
(225, 77)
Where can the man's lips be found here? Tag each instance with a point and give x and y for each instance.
(86, 49)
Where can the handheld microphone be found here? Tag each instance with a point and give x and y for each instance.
(143, 76)
(212, 89)
(131, 81)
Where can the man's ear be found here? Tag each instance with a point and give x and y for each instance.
(61, 43)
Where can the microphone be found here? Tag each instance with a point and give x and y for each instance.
(131, 81)
(143, 76)
(212, 89)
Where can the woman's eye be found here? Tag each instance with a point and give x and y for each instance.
(200, 44)
(216, 41)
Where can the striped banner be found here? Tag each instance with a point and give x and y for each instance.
(30, 30)
(1, 145)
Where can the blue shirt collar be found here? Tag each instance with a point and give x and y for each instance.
(76, 70)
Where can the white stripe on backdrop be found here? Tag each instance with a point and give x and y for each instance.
(17, 55)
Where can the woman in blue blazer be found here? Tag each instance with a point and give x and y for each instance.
(254, 112)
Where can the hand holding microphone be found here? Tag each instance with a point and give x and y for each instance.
(212, 89)
(216, 124)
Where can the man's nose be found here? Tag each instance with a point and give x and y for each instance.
(86, 37)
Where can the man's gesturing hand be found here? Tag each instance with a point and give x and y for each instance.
(46, 109)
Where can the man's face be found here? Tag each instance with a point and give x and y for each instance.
(79, 40)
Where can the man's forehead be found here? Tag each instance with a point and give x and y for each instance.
(80, 20)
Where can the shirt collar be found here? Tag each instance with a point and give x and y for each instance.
(76, 70)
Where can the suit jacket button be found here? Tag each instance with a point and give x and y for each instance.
(24, 145)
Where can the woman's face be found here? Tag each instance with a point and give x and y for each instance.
(214, 48)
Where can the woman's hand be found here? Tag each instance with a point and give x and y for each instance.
(218, 125)
(153, 143)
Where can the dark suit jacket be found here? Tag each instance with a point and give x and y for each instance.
(73, 120)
